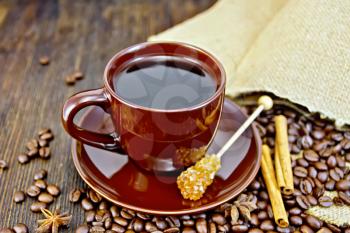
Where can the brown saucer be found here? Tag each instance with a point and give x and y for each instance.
(117, 179)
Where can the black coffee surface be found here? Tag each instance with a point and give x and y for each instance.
(164, 82)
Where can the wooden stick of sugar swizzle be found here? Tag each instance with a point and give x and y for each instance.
(194, 181)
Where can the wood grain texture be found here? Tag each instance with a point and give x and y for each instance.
(75, 35)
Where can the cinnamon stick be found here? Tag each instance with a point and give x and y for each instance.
(278, 169)
(279, 211)
(282, 147)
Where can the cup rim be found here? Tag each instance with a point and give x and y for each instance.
(134, 47)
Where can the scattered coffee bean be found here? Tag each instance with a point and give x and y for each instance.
(6, 230)
(74, 195)
(94, 197)
(23, 158)
(3, 164)
(44, 152)
(82, 229)
(33, 191)
(20, 228)
(44, 60)
(54, 190)
(40, 174)
(45, 197)
(37, 206)
(40, 184)
(19, 196)
(325, 201)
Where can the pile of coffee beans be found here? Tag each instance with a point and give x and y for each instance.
(37, 147)
(43, 193)
(320, 156)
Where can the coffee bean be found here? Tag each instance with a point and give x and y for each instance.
(74, 195)
(43, 143)
(303, 202)
(318, 134)
(117, 228)
(127, 214)
(201, 225)
(6, 230)
(337, 136)
(312, 200)
(218, 219)
(347, 157)
(311, 155)
(188, 230)
(296, 220)
(300, 171)
(23, 158)
(333, 228)
(172, 230)
(324, 230)
(325, 201)
(312, 172)
(44, 152)
(121, 221)
(306, 229)
(32, 153)
(302, 162)
(3, 164)
(19, 196)
(321, 166)
(160, 223)
(305, 186)
(33, 191)
(144, 216)
(40, 174)
(37, 206)
(150, 227)
(173, 221)
(261, 205)
(340, 161)
(46, 136)
(114, 211)
(40, 184)
(97, 229)
(255, 185)
(334, 175)
(295, 211)
(54, 190)
(330, 185)
(138, 225)
(267, 225)
(313, 222)
(223, 228)
(44, 60)
(70, 80)
(326, 152)
(86, 204)
(253, 230)
(343, 185)
(45, 197)
(262, 215)
(338, 201)
(344, 197)
(90, 215)
(331, 162)
(318, 192)
(94, 197)
(78, 75)
(239, 228)
(188, 223)
(82, 229)
(20, 228)
(322, 176)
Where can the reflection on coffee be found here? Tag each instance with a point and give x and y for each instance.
(164, 82)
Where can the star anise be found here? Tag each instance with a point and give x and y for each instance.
(53, 221)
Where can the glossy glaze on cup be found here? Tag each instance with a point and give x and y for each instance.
(157, 140)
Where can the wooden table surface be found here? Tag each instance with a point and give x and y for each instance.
(76, 35)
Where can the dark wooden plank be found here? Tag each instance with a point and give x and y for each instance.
(75, 35)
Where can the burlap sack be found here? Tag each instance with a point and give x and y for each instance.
(296, 49)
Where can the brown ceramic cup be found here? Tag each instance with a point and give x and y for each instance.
(155, 139)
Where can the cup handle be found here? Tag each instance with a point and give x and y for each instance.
(79, 101)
